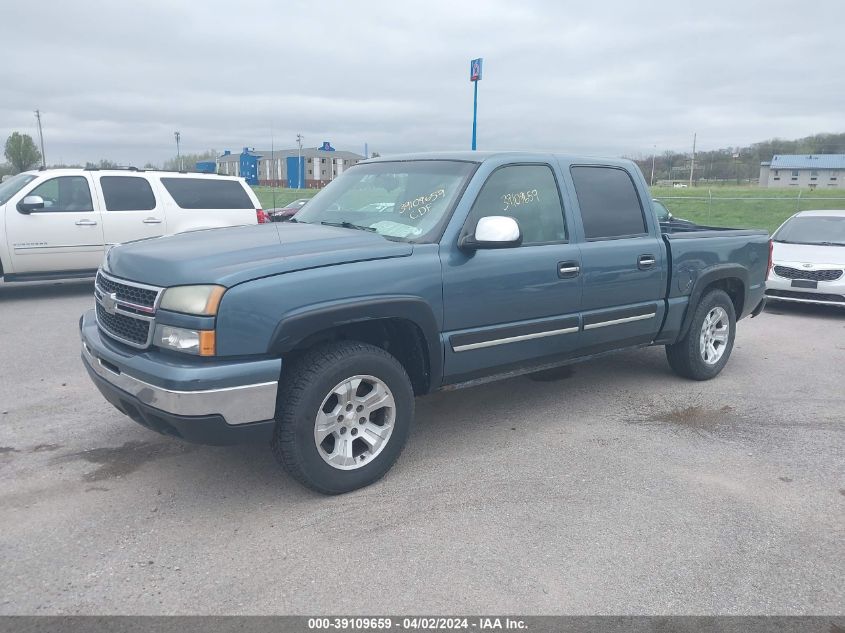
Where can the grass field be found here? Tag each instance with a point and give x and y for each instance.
(745, 207)
(738, 207)
(281, 197)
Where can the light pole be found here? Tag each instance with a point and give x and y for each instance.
(475, 77)
(300, 171)
(178, 152)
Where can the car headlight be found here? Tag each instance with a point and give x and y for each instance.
(196, 300)
(198, 342)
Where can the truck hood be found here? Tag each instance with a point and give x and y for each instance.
(229, 256)
(808, 254)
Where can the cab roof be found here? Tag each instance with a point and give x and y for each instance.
(503, 156)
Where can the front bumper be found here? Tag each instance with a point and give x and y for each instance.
(223, 402)
(826, 293)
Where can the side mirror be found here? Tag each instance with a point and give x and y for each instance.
(30, 204)
(493, 231)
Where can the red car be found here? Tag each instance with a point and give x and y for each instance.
(283, 214)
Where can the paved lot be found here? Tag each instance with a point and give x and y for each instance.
(611, 487)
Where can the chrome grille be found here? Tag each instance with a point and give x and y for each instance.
(812, 275)
(139, 296)
(126, 309)
(124, 327)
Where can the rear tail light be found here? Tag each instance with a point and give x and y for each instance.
(261, 216)
(769, 267)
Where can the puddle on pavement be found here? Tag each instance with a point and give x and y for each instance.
(696, 418)
(118, 461)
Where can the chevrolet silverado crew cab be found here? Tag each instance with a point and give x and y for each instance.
(404, 276)
(57, 223)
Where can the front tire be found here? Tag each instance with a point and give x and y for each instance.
(343, 416)
(705, 349)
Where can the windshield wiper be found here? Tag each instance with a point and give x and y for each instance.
(830, 243)
(349, 225)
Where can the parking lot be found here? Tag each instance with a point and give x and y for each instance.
(607, 487)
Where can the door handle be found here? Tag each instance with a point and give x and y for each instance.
(152, 221)
(645, 262)
(86, 223)
(568, 270)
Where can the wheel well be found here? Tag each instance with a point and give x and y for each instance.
(734, 288)
(399, 337)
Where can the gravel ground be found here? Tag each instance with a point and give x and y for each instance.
(610, 487)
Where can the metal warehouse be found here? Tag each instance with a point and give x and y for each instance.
(810, 170)
(318, 166)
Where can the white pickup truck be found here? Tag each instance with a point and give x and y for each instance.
(57, 223)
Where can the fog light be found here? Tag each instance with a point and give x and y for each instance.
(199, 342)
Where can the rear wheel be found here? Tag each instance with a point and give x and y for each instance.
(343, 416)
(707, 345)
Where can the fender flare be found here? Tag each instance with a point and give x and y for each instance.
(298, 325)
(714, 273)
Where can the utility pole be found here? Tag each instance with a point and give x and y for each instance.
(41, 138)
(653, 154)
(692, 164)
(300, 176)
(178, 152)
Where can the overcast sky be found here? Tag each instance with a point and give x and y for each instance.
(115, 79)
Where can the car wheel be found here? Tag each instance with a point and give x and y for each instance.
(704, 351)
(343, 416)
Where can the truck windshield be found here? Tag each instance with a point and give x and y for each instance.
(13, 185)
(402, 200)
(822, 230)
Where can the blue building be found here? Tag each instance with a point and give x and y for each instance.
(318, 166)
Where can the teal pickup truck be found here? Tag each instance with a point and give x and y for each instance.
(404, 276)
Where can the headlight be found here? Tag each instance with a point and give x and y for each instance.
(199, 342)
(198, 300)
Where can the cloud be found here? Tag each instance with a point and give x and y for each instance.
(115, 80)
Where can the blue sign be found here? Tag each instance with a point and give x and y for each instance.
(327, 147)
(475, 69)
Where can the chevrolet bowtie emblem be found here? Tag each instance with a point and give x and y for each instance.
(110, 302)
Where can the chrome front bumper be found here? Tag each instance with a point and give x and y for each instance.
(236, 403)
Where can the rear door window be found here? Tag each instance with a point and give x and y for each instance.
(610, 206)
(205, 193)
(127, 193)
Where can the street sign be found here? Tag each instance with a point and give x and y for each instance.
(475, 69)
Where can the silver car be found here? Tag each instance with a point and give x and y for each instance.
(808, 259)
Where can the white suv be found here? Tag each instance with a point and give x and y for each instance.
(57, 223)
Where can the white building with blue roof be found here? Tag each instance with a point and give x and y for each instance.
(804, 170)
